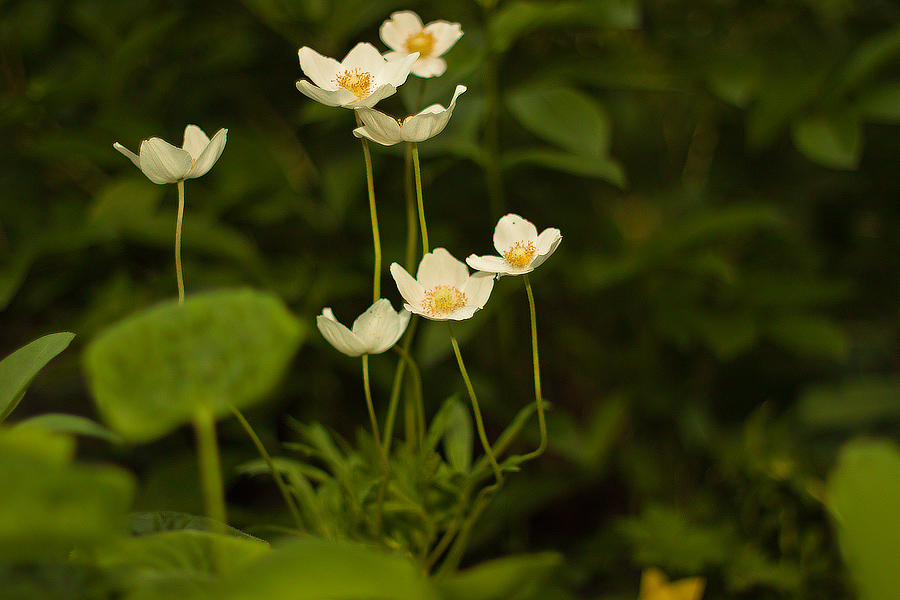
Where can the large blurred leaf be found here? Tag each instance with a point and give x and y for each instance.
(458, 437)
(152, 372)
(63, 423)
(833, 140)
(864, 401)
(510, 578)
(19, 368)
(865, 503)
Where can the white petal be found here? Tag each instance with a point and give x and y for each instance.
(429, 66)
(372, 99)
(547, 244)
(195, 141)
(410, 289)
(379, 327)
(489, 264)
(365, 57)
(445, 35)
(210, 154)
(439, 267)
(478, 289)
(395, 72)
(327, 97)
(378, 127)
(400, 26)
(320, 69)
(431, 121)
(512, 228)
(338, 335)
(162, 162)
(131, 155)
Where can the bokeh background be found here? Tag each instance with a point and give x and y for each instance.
(721, 316)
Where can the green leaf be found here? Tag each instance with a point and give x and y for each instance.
(600, 167)
(458, 438)
(510, 578)
(62, 423)
(882, 103)
(831, 140)
(809, 335)
(19, 368)
(152, 372)
(852, 404)
(865, 503)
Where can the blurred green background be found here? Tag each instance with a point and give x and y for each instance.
(720, 318)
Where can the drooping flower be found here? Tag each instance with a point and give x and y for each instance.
(443, 289)
(387, 130)
(162, 162)
(521, 249)
(373, 332)
(362, 79)
(404, 34)
(656, 586)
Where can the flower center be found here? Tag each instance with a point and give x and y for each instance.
(443, 299)
(421, 42)
(360, 83)
(520, 255)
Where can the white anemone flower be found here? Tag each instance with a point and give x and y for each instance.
(404, 34)
(521, 249)
(387, 130)
(362, 79)
(373, 332)
(162, 162)
(443, 289)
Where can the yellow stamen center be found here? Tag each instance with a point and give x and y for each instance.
(360, 83)
(442, 300)
(520, 255)
(421, 42)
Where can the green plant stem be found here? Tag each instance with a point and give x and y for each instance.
(379, 523)
(210, 465)
(376, 237)
(415, 156)
(478, 420)
(451, 561)
(178, 222)
(276, 474)
(412, 221)
(538, 399)
(416, 429)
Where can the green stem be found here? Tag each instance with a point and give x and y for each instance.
(478, 421)
(412, 222)
(416, 425)
(178, 222)
(379, 523)
(276, 474)
(415, 155)
(451, 562)
(210, 465)
(538, 398)
(376, 237)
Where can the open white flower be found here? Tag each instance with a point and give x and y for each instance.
(363, 78)
(373, 332)
(404, 34)
(162, 162)
(387, 130)
(521, 249)
(443, 289)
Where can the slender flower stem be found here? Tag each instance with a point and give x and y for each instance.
(276, 474)
(538, 399)
(412, 222)
(178, 221)
(376, 237)
(417, 429)
(379, 523)
(210, 465)
(478, 420)
(415, 155)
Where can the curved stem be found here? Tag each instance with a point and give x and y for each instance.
(178, 221)
(210, 465)
(412, 222)
(415, 156)
(538, 399)
(376, 237)
(478, 420)
(379, 523)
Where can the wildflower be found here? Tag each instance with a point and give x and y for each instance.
(162, 162)
(521, 249)
(363, 78)
(443, 289)
(387, 130)
(373, 332)
(404, 34)
(655, 586)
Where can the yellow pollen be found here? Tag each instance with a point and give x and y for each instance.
(360, 83)
(421, 42)
(519, 255)
(442, 300)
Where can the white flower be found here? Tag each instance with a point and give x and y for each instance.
(443, 288)
(387, 130)
(373, 332)
(362, 79)
(162, 162)
(404, 34)
(521, 249)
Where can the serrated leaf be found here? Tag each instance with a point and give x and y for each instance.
(19, 368)
(153, 371)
